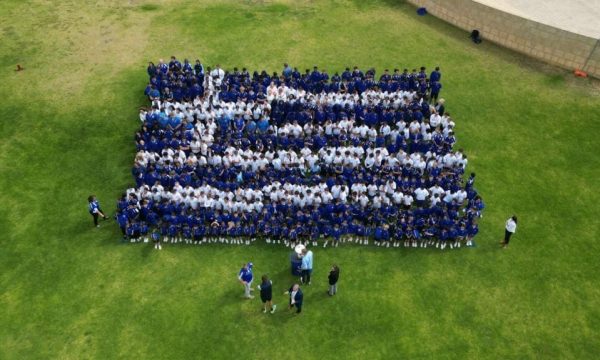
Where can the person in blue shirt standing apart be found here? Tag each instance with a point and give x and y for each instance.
(245, 277)
(94, 209)
(307, 266)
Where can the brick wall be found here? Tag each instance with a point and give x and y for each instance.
(544, 42)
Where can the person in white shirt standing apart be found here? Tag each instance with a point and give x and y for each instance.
(510, 228)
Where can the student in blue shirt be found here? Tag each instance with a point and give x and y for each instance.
(173, 232)
(417, 238)
(293, 237)
(201, 233)
(199, 70)
(360, 232)
(174, 64)
(452, 234)
(436, 86)
(245, 277)
(461, 234)
(187, 67)
(314, 233)
(249, 230)
(132, 231)
(472, 230)
(435, 75)
(153, 93)
(151, 69)
(443, 238)
(94, 209)
(287, 71)
(186, 231)
(214, 230)
(276, 232)
(385, 235)
(262, 125)
(336, 233)
(164, 230)
(378, 234)
(398, 235)
(156, 239)
(144, 231)
(122, 221)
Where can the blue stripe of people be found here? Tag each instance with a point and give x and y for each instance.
(229, 157)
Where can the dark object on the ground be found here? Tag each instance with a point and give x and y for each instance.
(19, 68)
(422, 11)
(476, 37)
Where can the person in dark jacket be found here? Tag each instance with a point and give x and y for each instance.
(334, 275)
(296, 297)
(266, 294)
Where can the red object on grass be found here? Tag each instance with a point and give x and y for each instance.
(580, 73)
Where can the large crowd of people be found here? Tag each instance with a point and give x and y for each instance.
(231, 157)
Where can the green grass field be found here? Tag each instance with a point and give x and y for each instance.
(70, 291)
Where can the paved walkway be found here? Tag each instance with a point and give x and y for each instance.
(577, 16)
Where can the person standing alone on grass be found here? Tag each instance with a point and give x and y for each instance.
(510, 228)
(307, 266)
(94, 209)
(245, 277)
(334, 276)
(266, 294)
(296, 297)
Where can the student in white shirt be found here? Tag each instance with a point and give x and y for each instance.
(407, 201)
(421, 196)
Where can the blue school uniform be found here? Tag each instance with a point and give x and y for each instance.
(122, 220)
(473, 229)
(131, 230)
(187, 232)
(94, 207)
(378, 233)
(173, 230)
(385, 234)
(143, 229)
(334, 232)
(398, 233)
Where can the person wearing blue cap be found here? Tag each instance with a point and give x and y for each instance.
(245, 277)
